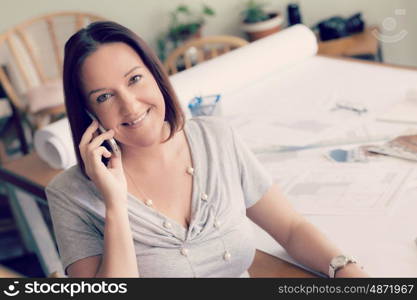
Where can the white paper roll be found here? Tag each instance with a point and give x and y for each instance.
(245, 65)
(54, 145)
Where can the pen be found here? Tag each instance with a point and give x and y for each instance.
(354, 108)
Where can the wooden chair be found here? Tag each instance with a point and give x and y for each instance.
(198, 50)
(31, 62)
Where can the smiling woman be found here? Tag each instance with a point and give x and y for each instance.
(176, 201)
(124, 100)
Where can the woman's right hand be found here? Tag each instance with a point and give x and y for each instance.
(110, 180)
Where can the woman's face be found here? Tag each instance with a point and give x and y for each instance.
(123, 94)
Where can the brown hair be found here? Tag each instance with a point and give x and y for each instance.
(85, 42)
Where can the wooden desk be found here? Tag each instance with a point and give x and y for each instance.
(31, 175)
(354, 45)
(7, 273)
(25, 179)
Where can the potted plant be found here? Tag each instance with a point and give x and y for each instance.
(184, 25)
(258, 22)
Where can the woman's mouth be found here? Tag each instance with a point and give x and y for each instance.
(138, 121)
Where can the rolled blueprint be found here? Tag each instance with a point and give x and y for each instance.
(246, 65)
(53, 143)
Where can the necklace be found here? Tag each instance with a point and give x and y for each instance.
(148, 201)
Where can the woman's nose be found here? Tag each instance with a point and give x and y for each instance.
(128, 102)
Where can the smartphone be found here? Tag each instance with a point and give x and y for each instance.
(110, 144)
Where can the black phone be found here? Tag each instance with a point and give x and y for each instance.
(110, 144)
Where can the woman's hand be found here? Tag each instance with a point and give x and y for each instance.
(110, 179)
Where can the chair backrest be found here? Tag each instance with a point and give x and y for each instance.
(31, 53)
(198, 50)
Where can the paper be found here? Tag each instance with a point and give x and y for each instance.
(404, 111)
(54, 145)
(328, 189)
(273, 132)
(369, 238)
(290, 108)
(313, 88)
(263, 130)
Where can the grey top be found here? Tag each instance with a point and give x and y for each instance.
(219, 241)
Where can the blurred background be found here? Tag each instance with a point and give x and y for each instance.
(149, 18)
(376, 30)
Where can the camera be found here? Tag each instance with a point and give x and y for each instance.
(337, 27)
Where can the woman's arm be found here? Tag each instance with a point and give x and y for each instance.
(301, 239)
(119, 257)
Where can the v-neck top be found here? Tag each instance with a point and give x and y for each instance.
(195, 184)
(219, 242)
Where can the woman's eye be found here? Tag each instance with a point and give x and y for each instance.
(103, 97)
(135, 79)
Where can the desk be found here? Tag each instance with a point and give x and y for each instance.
(369, 237)
(26, 178)
(7, 273)
(364, 43)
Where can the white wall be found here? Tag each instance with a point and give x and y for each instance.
(150, 17)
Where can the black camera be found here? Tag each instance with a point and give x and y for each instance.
(337, 27)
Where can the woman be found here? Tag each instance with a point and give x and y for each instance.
(174, 203)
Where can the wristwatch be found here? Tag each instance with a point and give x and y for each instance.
(338, 263)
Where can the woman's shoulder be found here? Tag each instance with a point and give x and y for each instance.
(68, 180)
(71, 190)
